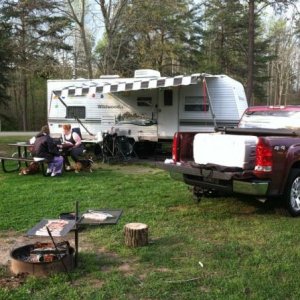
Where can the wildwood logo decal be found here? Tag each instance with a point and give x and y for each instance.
(111, 106)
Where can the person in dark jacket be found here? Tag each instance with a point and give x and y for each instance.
(45, 147)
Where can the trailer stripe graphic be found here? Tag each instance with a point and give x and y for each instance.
(129, 84)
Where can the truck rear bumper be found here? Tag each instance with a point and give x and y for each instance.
(213, 179)
(256, 188)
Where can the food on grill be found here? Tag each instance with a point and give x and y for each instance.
(96, 215)
(55, 227)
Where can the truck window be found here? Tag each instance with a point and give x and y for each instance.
(274, 119)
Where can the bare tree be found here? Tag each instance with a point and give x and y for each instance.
(284, 70)
(77, 10)
(111, 11)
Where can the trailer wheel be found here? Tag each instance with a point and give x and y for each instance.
(292, 193)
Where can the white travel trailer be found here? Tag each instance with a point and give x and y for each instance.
(147, 107)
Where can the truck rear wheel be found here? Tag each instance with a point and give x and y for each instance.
(292, 194)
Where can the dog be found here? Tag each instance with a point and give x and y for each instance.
(83, 165)
(33, 168)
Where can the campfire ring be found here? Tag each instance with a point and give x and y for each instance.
(18, 265)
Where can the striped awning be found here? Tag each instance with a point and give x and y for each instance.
(128, 84)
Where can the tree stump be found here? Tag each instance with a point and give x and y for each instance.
(136, 234)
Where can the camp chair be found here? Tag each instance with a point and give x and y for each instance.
(125, 147)
(117, 148)
(108, 147)
(78, 131)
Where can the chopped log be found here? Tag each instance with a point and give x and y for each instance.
(136, 234)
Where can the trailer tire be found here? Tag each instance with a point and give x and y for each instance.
(292, 193)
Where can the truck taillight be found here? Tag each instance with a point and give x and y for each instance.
(263, 162)
(175, 147)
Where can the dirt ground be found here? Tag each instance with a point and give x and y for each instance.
(11, 240)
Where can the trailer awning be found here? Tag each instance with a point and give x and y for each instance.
(128, 84)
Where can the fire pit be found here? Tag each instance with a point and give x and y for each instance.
(42, 259)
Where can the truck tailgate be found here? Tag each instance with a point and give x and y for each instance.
(211, 178)
(225, 150)
(189, 169)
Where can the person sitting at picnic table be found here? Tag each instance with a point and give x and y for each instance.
(45, 147)
(71, 145)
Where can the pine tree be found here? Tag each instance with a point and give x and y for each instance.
(37, 32)
(224, 42)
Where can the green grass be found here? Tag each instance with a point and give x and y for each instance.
(247, 252)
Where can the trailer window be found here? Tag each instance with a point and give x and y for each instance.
(76, 111)
(168, 97)
(195, 103)
(144, 101)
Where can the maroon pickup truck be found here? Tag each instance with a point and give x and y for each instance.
(261, 157)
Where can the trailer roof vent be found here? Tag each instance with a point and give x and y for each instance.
(109, 76)
(146, 73)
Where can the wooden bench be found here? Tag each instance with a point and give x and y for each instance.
(41, 161)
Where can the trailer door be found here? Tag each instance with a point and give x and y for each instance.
(167, 113)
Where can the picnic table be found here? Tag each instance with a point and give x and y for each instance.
(22, 156)
(21, 146)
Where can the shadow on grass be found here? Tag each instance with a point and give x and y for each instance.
(273, 206)
(91, 262)
(226, 206)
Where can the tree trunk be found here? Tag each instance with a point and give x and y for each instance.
(24, 97)
(250, 63)
(23, 71)
(17, 108)
(286, 93)
(87, 51)
(136, 234)
(111, 13)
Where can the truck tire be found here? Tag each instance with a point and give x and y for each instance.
(292, 193)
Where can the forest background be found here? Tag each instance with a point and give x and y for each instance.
(254, 41)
